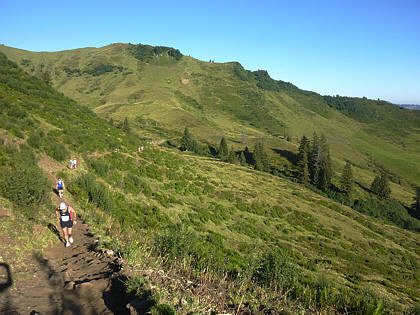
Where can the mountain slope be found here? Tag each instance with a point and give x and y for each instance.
(225, 99)
(269, 242)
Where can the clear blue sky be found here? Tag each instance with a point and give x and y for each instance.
(355, 48)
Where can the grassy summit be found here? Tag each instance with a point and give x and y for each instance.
(270, 242)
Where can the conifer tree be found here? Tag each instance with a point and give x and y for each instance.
(249, 157)
(261, 157)
(347, 180)
(324, 163)
(231, 156)
(125, 126)
(380, 186)
(187, 141)
(242, 159)
(223, 150)
(313, 159)
(303, 147)
(416, 205)
(303, 168)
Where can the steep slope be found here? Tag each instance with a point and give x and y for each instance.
(265, 243)
(152, 88)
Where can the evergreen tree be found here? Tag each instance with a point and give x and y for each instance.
(416, 205)
(261, 157)
(223, 150)
(347, 180)
(242, 159)
(232, 156)
(303, 147)
(187, 142)
(313, 159)
(380, 186)
(125, 126)
(195, 147)
(324, 165)
(249, 157)
(303, 168)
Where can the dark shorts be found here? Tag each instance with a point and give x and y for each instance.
(67, 224)
(60, 188)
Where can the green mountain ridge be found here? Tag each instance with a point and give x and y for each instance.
(281, 246)
(216, 99)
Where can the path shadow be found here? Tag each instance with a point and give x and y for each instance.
(63, 301)
(116, 297)
(6, 306)
(289, 155)
(55, 191)
(9, 280)
(54, 229)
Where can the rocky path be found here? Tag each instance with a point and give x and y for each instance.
(73, 280)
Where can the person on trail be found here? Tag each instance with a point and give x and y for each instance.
(60, 187)
(71, 164)
(74, 163)
(66, 216)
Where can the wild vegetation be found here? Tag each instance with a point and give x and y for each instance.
(266, 241)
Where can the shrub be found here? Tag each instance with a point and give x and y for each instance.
(163, 309)
(25, 185)
(34, 140)
(176, 243)
(97, 192)
(56, 150)
(101, 168)
(273, 269)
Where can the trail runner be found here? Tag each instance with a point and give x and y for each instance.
(66, 216)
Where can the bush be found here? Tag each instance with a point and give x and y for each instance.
(25, 185)
(97, 192)
(176, 243)
(56, 150)
(273, 269)
(101, 168)
(163, 309)
(34, 140)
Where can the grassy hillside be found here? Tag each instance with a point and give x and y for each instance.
(161, 90)
(270, 243)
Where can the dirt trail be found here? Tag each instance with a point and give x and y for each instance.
(72, 280)
(66, 280)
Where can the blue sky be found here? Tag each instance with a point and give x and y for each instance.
(354, 48)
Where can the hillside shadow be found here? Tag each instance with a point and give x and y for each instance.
(6, 306)
(66, 302)
(290, 156)
(116, 298)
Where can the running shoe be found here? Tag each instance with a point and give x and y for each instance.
(67, 244)
(71, 239)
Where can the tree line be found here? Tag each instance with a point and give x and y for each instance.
(314, 169)
(258, 159)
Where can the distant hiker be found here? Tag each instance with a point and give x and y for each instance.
(66, 216)
(60, 187)
(74, 163)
